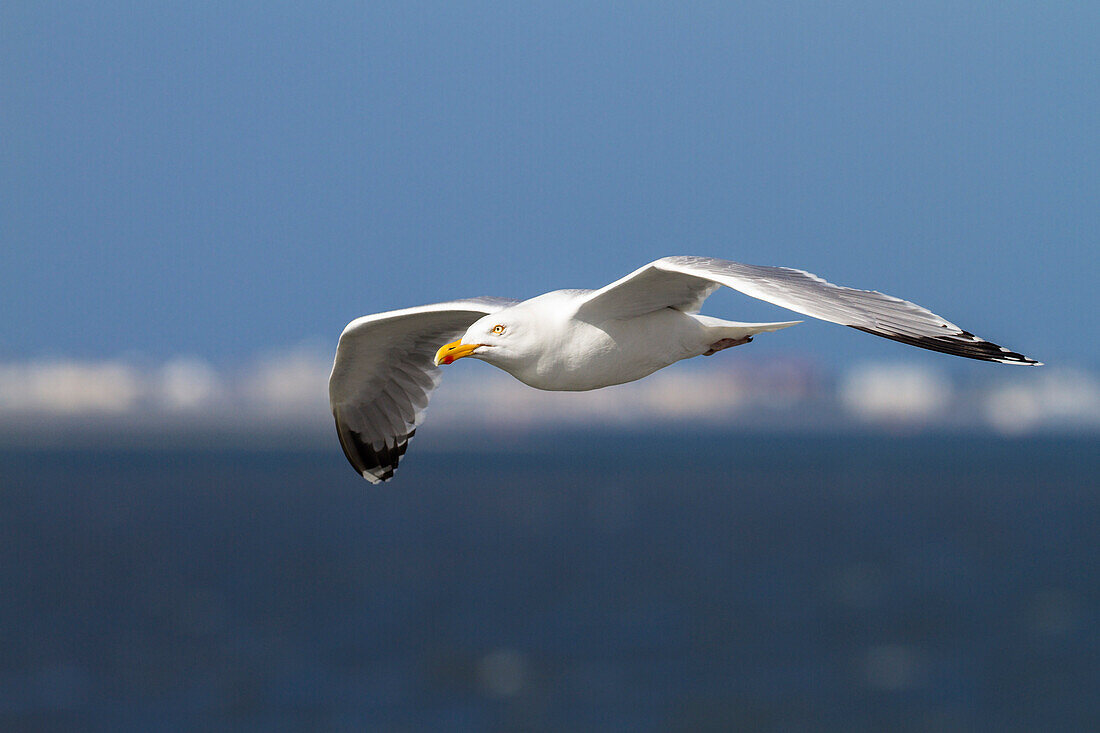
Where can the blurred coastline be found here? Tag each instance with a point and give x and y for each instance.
(282, 400)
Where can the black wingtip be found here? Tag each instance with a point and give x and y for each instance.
(963, 344)
(376, 465)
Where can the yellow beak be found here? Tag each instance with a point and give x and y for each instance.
(452, 351)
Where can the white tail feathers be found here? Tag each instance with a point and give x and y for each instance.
(736, 330)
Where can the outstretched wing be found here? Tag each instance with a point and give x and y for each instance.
(685, 282)
(383, 376)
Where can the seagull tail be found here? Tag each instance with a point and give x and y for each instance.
(736, 329)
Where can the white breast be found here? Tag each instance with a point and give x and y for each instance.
(583, 356)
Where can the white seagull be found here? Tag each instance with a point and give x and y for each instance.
(387, 364)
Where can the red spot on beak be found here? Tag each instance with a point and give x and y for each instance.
(448, 359)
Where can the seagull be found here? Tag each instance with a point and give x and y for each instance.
(388, 364)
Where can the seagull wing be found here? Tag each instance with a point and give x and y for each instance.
(384, 374)
(685, 282)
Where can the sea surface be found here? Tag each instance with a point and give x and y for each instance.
(574, 582)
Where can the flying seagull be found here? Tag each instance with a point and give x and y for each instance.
(387, 364)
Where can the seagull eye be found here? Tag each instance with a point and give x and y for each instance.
(498, 329)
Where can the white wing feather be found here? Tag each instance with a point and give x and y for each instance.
(685, 282)
(384, 375)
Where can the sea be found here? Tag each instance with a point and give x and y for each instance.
(561, 581)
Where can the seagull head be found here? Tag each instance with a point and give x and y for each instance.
(498, 338)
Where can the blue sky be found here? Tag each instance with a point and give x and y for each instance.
(227, 179)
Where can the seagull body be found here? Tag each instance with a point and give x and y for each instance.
(387, 364)
(546, 347)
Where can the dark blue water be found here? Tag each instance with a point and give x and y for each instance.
(598, 582)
